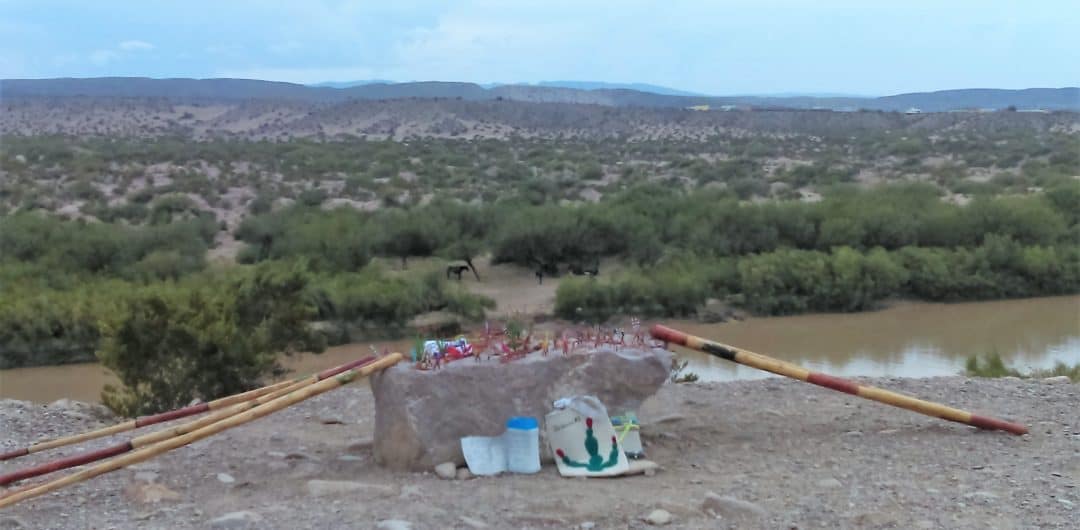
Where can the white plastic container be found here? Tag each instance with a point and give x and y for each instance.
(522, 444)
(627, 427)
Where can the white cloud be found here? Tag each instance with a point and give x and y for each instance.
(492, 45)
(136, 46)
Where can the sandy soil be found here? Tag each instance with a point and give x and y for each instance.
(798, 456)
(514, 289)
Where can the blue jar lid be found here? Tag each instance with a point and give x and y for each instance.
(522, 422)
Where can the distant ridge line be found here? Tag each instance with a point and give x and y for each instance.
(1047, 99)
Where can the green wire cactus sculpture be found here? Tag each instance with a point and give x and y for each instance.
(596, 462)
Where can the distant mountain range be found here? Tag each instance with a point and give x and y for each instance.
(580, 85)
(596, 93)
(348, 84)
(639, 87)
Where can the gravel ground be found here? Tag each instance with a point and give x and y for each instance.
(771, 453)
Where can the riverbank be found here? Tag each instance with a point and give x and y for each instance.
(906, 339)
(797, 455)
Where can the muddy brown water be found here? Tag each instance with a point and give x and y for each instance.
(909, 339)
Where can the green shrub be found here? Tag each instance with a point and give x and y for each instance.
(993, 366)
(51, 326)
(169, 344)
(375, 297)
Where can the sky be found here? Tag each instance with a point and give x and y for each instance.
(861, 47)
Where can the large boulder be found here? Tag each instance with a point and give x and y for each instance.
(421, 416)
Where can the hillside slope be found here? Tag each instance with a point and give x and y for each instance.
(452, 118)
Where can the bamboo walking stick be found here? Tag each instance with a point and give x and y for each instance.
(209, 430)
(776, 366)
(184, 412)
(154, 437)
(144, 421)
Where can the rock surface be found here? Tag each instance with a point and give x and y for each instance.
(421, 416)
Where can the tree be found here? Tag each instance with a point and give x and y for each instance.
(409, 233)
(464, 249)
(465, 228)
(170, 344)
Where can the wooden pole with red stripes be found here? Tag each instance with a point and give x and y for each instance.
(184, 412)
(154, 437)
(776, 366)
(147, 453)
(144, 421)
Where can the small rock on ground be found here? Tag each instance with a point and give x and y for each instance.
(472, 523)
(225, 478)
(984, 496)
(829, 483)
(243, 519)
(464, 474)
(411, 491)
(150, 492)
(658, 517)
(446, 470)
(730, 507)
(394, 524)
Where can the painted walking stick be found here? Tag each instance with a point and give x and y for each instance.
(146, 453)
(793, 371)
(143, 421)
(154, 437)
(184, 412)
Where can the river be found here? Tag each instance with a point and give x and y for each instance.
(908, 339)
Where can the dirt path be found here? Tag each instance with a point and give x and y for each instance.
(514, 289)
(797, 455)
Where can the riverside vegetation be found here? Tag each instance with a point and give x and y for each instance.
(991, 365)
(126, 274)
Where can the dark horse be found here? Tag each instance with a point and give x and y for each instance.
(456, 270)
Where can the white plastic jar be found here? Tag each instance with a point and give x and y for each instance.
(522, 444)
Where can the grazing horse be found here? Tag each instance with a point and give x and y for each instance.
(457, 270)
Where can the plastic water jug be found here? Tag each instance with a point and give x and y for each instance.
(522, 444)
(627, 427)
